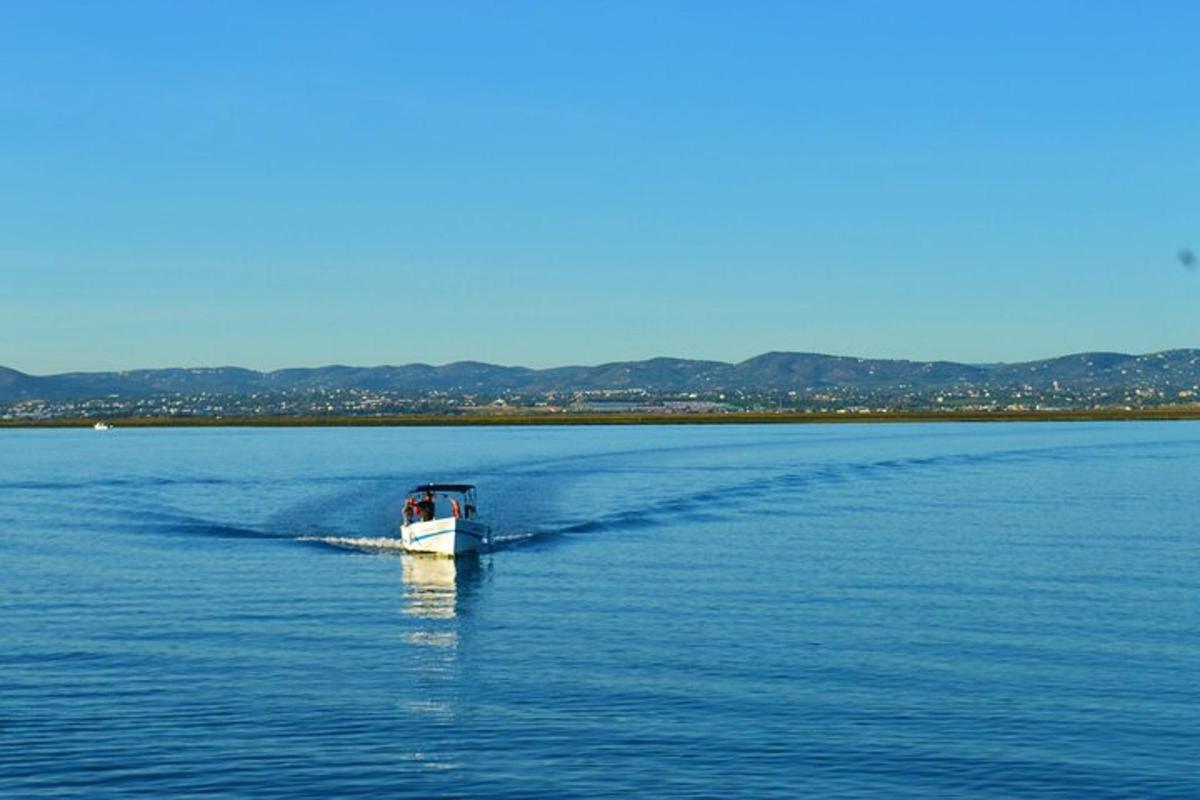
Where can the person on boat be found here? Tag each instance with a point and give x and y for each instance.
(427, 507)
(410, 510)
(455, 508)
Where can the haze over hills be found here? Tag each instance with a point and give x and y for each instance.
(776, 372)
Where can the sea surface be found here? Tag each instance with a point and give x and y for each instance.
(827, 611)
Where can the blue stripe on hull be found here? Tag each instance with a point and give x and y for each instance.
(431, 534)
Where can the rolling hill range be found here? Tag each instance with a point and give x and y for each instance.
(770, 372)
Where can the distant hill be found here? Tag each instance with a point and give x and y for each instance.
(770, 372)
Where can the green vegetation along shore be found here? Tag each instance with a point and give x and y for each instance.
(733, 418)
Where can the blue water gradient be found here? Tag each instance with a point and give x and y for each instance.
(834, 611)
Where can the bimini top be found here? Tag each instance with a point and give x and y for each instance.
(461, 488)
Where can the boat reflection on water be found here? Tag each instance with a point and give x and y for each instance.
(437, 593)
(438, 588)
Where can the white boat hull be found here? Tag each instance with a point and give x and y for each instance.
(444, 537)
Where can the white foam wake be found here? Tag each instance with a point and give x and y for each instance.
(514, 538)
(357, 543)
(394, 544)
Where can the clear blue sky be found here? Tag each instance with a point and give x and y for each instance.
(277, 184)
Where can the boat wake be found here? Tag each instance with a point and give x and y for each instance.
(517, 538)
(391, 544)
(369, 544)
(361, 517)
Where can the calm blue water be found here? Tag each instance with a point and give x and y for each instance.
(846, 611)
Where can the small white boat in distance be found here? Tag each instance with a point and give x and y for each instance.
(440, 518)
(102, 426)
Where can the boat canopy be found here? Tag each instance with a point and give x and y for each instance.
(461, 488)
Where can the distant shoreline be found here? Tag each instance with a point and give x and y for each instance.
(730, 418)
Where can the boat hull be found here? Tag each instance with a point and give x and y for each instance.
(444, 537)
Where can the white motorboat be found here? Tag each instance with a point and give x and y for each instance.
(440, 518)
(102, 426)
